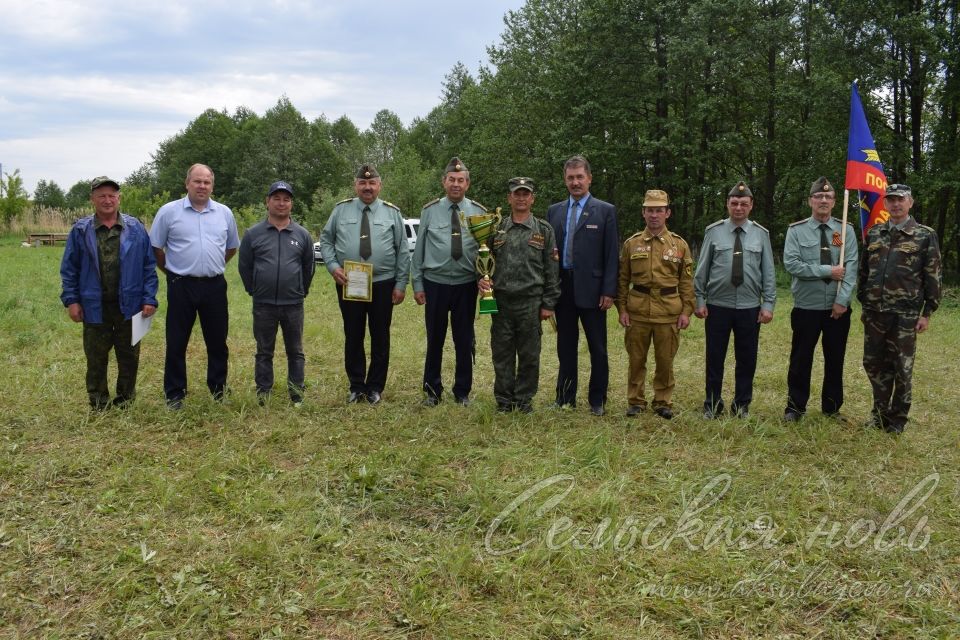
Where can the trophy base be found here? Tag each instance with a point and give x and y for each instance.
(488, 306)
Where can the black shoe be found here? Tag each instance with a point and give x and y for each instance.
(569, 406)
(634, 410)
(220, 395)
(373, 397)
(355, 397)
(791, 416)
(664, 412)
(712, 414)
(121, 403)
(504, 407)
(263, 397)
(430, 401)
(463, 401)
(742, 411)
(524, 407)
(175, 404)
(597, 410)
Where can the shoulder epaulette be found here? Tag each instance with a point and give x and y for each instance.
(391, 205)
(676, 235)
(930, 229)
(711, 226)
(793, 224)
(634, 236)
(762, 228)
(478, 204)
(346, 201)
(431, 203)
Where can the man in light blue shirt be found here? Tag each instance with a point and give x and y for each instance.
(193, 239)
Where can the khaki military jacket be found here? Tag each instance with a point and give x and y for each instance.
(655, 282)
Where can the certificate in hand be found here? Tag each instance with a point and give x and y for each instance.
(359, 287)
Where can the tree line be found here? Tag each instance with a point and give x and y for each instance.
(684, 95)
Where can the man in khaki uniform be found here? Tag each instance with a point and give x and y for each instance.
(655, 299)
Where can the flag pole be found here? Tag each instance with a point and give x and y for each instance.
(843, 230)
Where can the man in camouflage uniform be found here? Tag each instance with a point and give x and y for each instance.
(109, 275)
(655, 299)
(527, 285)
(898, 284)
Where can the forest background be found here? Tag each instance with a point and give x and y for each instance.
(685, 96)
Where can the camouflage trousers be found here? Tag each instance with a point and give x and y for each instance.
(666, 341)
(515, 337)
(889, 345)
(98, 339)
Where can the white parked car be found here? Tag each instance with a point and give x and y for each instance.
(410, 228)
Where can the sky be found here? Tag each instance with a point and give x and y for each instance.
(91, 87)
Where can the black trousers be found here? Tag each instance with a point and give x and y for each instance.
(808, 326)
(187, 299)
(357, 317)
(266, 319)
(720, 322)
(459, 301)
(569, 318)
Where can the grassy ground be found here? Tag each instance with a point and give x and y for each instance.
(338, 521)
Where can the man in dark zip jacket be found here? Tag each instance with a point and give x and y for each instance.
(276, 266)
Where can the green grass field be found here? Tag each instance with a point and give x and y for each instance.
(335, 521)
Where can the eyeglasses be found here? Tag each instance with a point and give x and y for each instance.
(822, 196)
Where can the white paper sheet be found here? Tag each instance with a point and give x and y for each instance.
(141, 326)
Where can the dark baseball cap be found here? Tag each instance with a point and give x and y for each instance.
(100, 181)
(280, 185)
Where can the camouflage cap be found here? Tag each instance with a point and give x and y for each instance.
(740, 190)
(821, 185)
(520, 183)
(280, 185)
(100, 181)
(367, 171)
(656, 198)
(898, 189)
(455, 164)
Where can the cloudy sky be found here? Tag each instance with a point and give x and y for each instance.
(91, 87)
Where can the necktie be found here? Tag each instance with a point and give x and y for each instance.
(568, 237)
(456, 240)
(736, 276)
(825, 248)
(366, 249)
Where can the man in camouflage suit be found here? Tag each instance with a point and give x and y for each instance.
(655, 299)
(898, 284)
(526, 281)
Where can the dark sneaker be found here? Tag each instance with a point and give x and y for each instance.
(373, 397)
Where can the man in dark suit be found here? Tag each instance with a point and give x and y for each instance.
(588, 256)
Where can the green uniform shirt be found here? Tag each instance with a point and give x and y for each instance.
(108, 255)
(801, 259)
(431, 258)
(526, 262)
(712, 281)
(340, 240)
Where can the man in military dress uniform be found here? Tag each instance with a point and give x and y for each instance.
(736, 290)
(527, 285)
(822, 288)
(367, 229)
(899, 285)
(444, 277)
(655, 300)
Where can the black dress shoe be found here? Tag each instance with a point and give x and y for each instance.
(524, 407)
(430, 401)
(355, 397)
(463, 401)
(373, 397)
(742, 412)
(597, 410)
(504, 407)
(664, 412)
(712, 414)
(791, 416)
(634, 410)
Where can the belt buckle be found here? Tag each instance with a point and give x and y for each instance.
(655, 293)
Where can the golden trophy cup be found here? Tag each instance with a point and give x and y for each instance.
(482, 227)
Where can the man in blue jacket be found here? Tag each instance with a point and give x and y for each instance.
(109, 275)
(276, 266)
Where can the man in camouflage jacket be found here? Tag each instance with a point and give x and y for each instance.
(898, 284)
